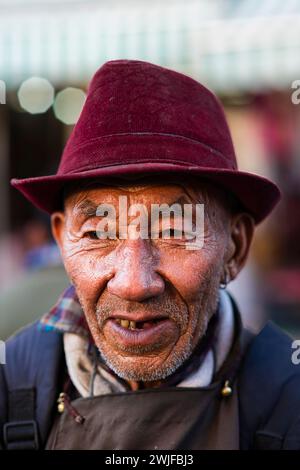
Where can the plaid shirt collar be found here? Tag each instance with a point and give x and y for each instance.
(67, 316)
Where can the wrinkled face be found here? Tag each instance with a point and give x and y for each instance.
(147, 301)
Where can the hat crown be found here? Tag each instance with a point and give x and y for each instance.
(131, 102)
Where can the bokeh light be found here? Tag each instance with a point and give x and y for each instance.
(68, 105)
(36, 95)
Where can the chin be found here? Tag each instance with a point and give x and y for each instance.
(130, 368)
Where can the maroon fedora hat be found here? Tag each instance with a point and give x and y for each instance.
(140, 118)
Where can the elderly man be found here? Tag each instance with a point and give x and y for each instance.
(146, 349)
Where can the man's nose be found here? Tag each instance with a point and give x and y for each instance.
(135, 277)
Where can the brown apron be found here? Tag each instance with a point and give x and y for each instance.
(158, 418)
(171, 418)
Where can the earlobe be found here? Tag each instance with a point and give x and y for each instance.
(57, 226)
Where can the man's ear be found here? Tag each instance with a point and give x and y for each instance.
(242, 230)
(58, 226)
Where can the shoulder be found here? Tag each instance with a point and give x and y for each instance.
(29, 351)
(272, 346)
(34, 361)
(30, 348)
(269, 385)
(29, 339)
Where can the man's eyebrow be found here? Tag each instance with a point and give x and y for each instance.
(183, 199)
(86, 209)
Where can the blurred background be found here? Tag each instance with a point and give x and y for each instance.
(246, 51)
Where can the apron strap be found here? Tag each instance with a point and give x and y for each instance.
(21, 430)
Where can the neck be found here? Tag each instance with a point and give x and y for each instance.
(137, 385)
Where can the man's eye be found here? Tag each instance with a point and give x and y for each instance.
(99, 235)
(171, 233)
(92, 235)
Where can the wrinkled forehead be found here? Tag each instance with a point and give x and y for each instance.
(154, 188)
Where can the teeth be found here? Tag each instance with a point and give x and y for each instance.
(125, 323)
(132, 324)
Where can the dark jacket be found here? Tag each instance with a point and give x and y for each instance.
(268, 387)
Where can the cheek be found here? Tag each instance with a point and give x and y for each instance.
(88, 272)
(192, 272)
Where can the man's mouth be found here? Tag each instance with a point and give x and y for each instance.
(129, 333)
(137, 325)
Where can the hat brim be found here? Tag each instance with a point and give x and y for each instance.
(257, 194)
